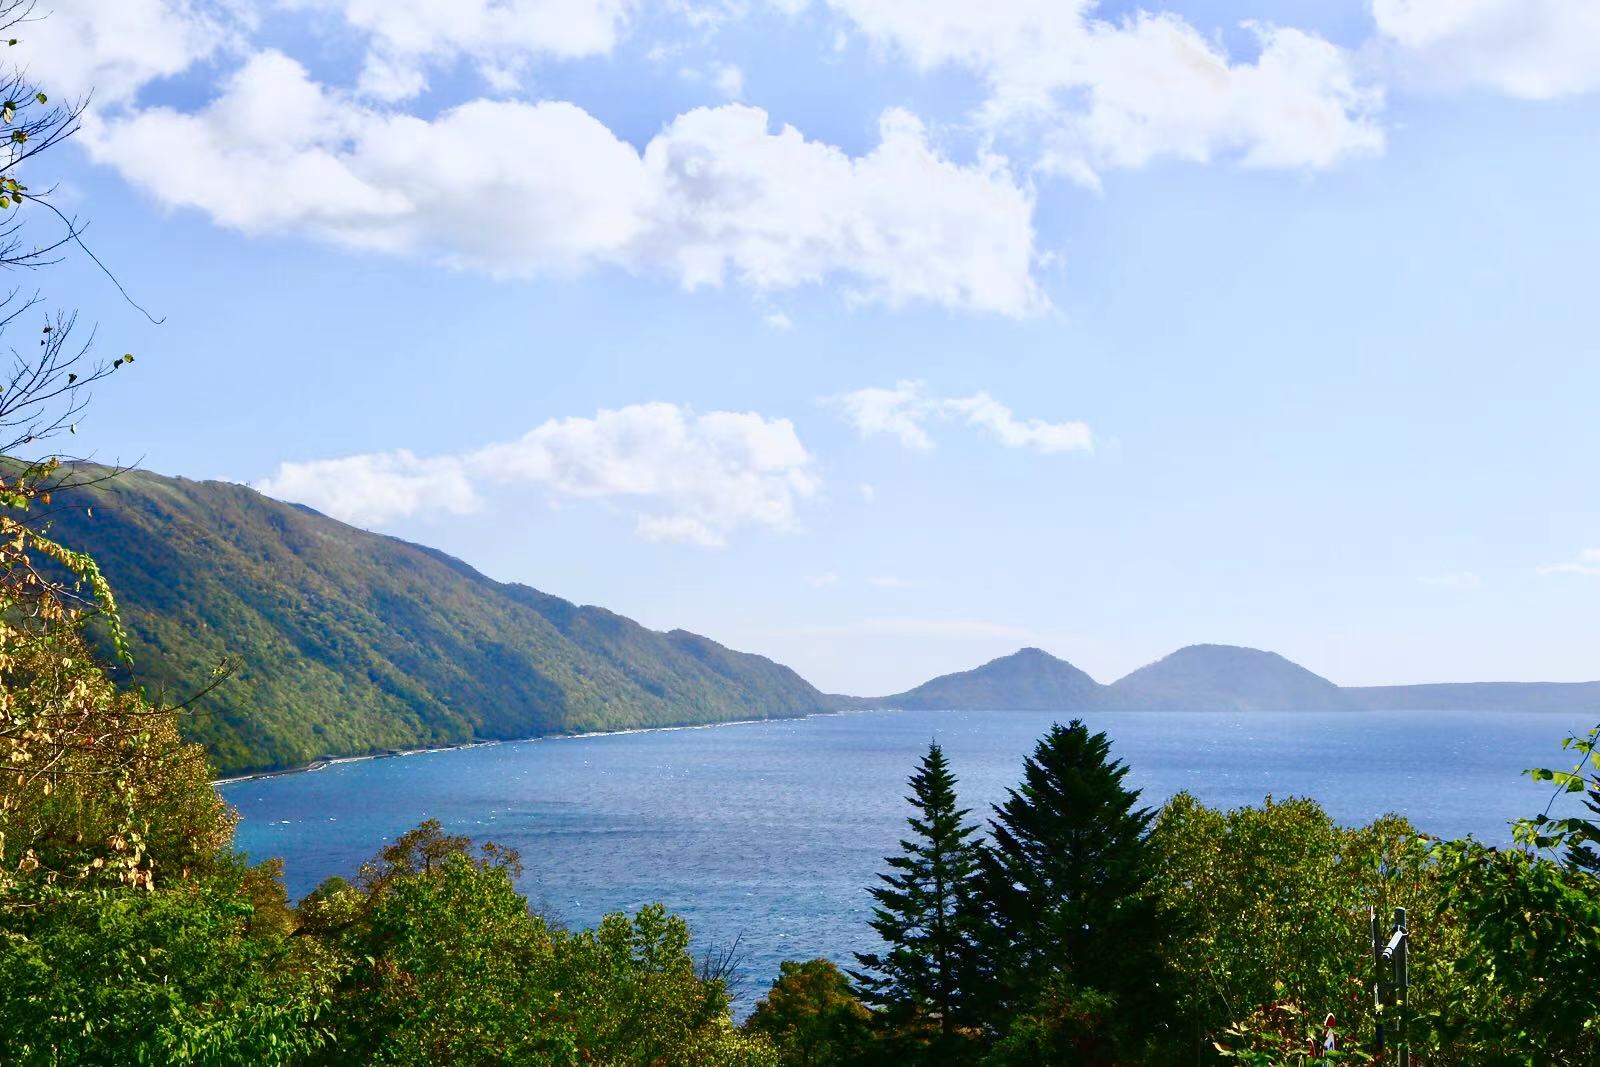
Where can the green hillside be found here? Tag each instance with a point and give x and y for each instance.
(349, 642)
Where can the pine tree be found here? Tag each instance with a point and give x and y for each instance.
(1065, 882)
(926, 913)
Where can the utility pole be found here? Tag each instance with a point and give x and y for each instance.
(1396, 955)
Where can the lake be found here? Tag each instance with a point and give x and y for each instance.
(773, 830)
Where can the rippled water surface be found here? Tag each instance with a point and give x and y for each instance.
(773, 830)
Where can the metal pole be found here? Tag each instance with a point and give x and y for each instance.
(1402, 977)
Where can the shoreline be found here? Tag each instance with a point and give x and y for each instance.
(334, 761)
(322, 764)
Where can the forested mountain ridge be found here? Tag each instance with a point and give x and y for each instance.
(348, 642)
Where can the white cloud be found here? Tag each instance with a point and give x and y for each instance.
(1588, 562)
(114, 47)
(985, 411)
(822, 581)
(779, 211)
(889, 581)
(686, 477)
(518, 189)
(408, 37)
(869, 492)
(373, 489)
(777, 320)
(898, 412)
(904, 411)
(1103, 94)
(714, 472)
(1453, 580)
(1536, 49)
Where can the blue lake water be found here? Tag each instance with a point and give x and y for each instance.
(773, 830)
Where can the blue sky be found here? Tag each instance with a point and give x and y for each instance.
(884, 337)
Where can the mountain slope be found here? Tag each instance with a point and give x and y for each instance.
(1027, 680)
(349, 642)
(1225, 678)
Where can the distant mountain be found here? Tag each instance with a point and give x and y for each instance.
(1197, 678)
(1225, 678)
(350, 642)
(1028, 680)
(1479, 696)
(1213, 678)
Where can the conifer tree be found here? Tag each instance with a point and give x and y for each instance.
(1065, 881)
(926, 913)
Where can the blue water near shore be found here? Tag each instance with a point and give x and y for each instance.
(773, 830)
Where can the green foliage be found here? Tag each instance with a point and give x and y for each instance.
(1061, 1022)
(1580, 837)
(1261, 900)
(1067, 883)
(348, 642)
(437, 961)
(811, 1016)
(195, 973)
(1282, 1034)
(1525, 990)
(447, 966)
(442, 962)
(95, 785)
(631, 995)
(929, 917)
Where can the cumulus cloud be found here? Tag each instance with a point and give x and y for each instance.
(686, 477)
(519, 189)
(904, 411)
(376, 488)
(1587, 563)
(1103, 94)
(1535, 49)
(501, 37)
(114, 47)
